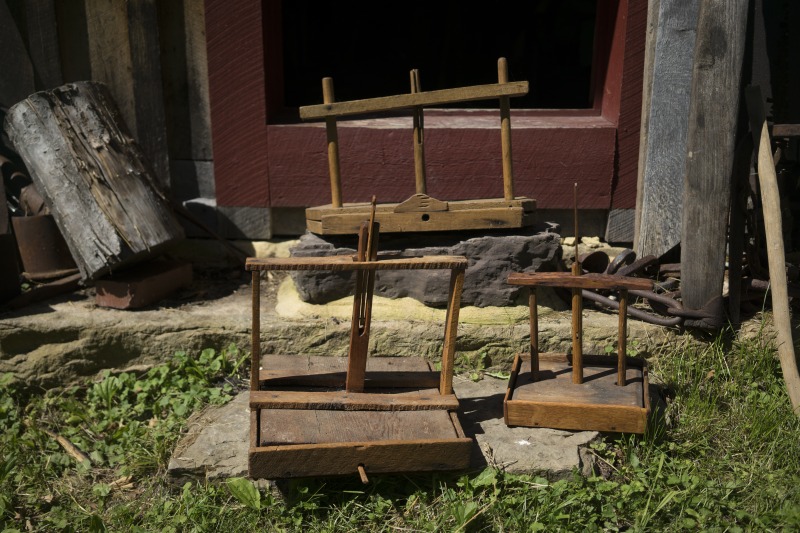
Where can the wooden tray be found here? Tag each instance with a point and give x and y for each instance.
(597, 404)
(303, 424)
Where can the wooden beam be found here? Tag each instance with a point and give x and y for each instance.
(710, 150)
(668, 122)
(414, 400)
(422, 99)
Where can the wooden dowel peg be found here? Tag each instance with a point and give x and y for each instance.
(622, 346)
(505, 132)
(577, 304)
(363, 475)
(534, 334)
(333, 145)
(255, 339)
(419, 137)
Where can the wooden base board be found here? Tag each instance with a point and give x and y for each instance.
(459, 215)
(327, 440)
(597, 404)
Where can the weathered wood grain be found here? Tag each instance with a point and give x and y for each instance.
(585, 281)
(343, 459)
(344, 262)
(410, 400)
(93, 175)
(710, 150)
(665, 153)
(295, 426)
(407, 101)
(13, 59)
(597, 404)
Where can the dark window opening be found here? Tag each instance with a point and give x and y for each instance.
(368, 48)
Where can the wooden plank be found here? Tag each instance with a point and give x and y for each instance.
(110, 54)
(454, 220)
(579, 417)
(292, 426)
(13, 59)
(330, 371)
(413, 400)
(665, 154)
(99, 187)
(344, 263)
(182, 33)
(382, 457)
(41, 34)
(415, 204)
(421, 99)
(586, 281)
(721, 32)
(786, 130)
(653, 7)
(151, 123)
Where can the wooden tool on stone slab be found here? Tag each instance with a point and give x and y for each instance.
(362, 304)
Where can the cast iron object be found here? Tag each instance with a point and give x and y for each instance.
(42, 248)
(595, 262)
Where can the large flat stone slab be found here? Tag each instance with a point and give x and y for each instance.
(491, 257)
(216, 444)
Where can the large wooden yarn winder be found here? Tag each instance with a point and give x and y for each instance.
(420, 212)
(327, 415)
(577, 391)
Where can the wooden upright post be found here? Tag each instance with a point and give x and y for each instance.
(255, 339)
(622, 346)
(505, 132)
(534, 312)
(333, 145)
(450, 332)
(721, 31)
(419, 137)
(577, 305)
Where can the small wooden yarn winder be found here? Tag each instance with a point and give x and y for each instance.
(326, 415)
(420, 212)
(578, 392)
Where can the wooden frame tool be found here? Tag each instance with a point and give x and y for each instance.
(420, 212)
(327, 415)
(577, 391)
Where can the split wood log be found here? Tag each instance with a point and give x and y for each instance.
(93, 175)
(710, 148)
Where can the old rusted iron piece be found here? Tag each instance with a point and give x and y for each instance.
(42, 248)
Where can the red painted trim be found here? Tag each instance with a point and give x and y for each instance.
(236, 80)
(550, 152)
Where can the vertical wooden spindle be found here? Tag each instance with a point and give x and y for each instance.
(534, 334)
(419, 138)
(505, 132)
(622, 346)
(577, 304)
(255, 339)
(333, 145)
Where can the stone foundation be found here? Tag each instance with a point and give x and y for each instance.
(491, 256)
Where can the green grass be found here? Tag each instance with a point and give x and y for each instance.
(723, 455)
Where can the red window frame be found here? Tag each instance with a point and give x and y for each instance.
(258, 163)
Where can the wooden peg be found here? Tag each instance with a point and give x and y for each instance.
(622, 346)
(419, 137)
(577, 304)
(362, 473)
(505, 132)
(333, 145)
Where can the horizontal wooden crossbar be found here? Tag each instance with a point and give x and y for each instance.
(360, 401)
(586, 281)
(372, 380)
(346, 262)
(405, 101)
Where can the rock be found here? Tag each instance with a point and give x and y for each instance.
(215, 445)
(491, 257)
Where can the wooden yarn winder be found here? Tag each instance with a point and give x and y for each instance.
(420, 212)
(578, 392)
(326, 415)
